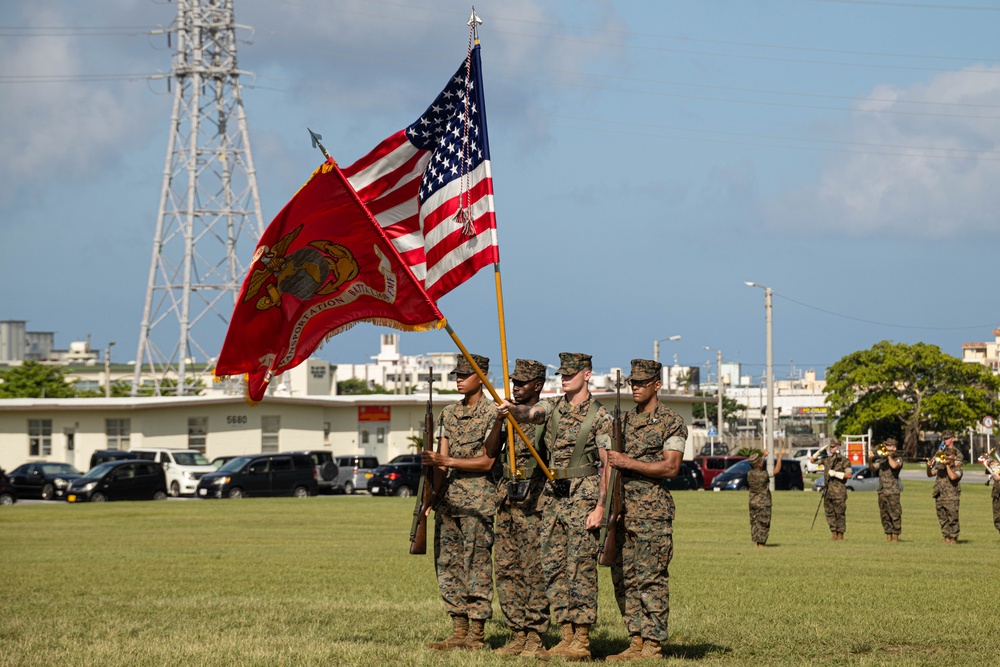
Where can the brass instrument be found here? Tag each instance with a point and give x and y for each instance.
(882, 452)
(938, 459)
(991, 460)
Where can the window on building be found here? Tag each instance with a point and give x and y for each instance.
(365, 435)
(270, 429)
(326, 433)
(88, 385)
(39, 437)
(119, 432)
(197, 433)
(380, 435)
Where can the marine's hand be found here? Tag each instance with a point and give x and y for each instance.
(618, 460)
(431, 458)
(595, 518)
(504, 407)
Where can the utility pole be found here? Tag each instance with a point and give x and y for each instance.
(209, 214)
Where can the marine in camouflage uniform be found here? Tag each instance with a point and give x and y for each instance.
(837, 469)
(947, 488)
(654, 439)
(889, 507)
(573, 506)
(996, 500)
(759, 485)
(517, 550)
(463, 523)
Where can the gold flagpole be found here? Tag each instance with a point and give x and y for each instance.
(496, 397)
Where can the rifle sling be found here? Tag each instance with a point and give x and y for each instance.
(575, 468)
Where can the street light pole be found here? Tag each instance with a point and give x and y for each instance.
(656, 354)
(718, 372)
(107, 369)
(770, 380)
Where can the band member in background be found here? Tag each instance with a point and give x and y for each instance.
(947, 487)
(759, 484)
(837, 469)
(889, 507)
(995, 479)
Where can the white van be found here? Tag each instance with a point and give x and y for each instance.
(802, 455)
(183, 468)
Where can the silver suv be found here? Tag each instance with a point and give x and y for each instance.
(355, 471)
(327, 470)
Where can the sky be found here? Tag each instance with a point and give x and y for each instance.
(648, 158)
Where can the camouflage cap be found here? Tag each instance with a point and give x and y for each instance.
(754, 457)
(947, 434)
(891, 442)
(950, 451)
(571, 363)
(463, 367)
(527, 369)
(645, 369)
(834, 443)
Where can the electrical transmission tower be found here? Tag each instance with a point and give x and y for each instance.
(209, 213)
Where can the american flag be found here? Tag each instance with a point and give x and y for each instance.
(417, 180)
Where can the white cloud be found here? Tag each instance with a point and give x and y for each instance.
(915, 170)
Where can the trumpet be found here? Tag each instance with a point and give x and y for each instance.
(991, 460)
(882, 452)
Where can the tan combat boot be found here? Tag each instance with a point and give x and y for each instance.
(533, 645)
(579, 648)
(557, 650)
(515, 646)
(631, 653)
(475, 640)
(651, 649)
(460, 630)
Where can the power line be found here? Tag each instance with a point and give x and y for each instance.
(884, 324)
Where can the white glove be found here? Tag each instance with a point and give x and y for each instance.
(837, 474)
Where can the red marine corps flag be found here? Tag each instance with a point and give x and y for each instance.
(322, 266)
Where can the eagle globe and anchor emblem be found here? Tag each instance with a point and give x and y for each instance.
(319, 268)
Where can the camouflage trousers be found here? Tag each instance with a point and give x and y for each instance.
(517, 557)
(641, 577)
(462, 559)
(996, 505)
(947, 512)
(891, 512)
(760, 518)
(836, 513)
(569, 559)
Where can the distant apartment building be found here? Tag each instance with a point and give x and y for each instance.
(983, 353)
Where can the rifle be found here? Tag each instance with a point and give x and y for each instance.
(613, 503)
(425, 490)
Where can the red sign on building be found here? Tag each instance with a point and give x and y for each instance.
(373, 413)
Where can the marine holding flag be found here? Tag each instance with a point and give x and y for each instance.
(322, 265)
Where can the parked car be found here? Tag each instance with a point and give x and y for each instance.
(406, 458)
(689, 478)
(220, 461)
(395, 479)
(862, 479)
(105, 455)
(713, 465)
(261, 475)
(326, 469)
(789, 478)
(8, 494)
(355, 471)
(714, 449)
(183, 467)
(802, 454)
(47, 481)
(128, 479)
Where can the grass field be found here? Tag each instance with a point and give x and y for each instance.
(328, 581)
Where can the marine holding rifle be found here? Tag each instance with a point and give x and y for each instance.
(577, 435)
(463, 522)
(517, 551)
(653, 438)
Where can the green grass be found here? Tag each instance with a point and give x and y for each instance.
(328, 581)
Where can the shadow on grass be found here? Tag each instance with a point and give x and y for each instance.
(602, 648)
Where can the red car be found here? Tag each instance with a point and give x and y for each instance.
(713, 465)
